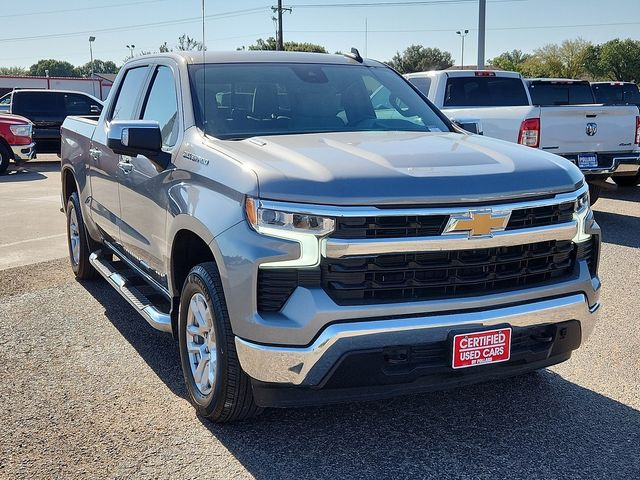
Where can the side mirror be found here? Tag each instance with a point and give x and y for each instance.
(137, 137)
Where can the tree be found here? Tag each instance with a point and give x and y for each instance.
(99, 66)
(17, 71)
(55, 68)
(186, 43)
(512, 61)
(417, 58)
(620, 60)
(566, 60)
(270, 44)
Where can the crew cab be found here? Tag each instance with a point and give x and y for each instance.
(562, 118)
(47, 109)
(304, 246)
(15, 140)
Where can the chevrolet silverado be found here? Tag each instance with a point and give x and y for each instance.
(305, 247)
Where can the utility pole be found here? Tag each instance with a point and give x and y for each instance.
(279, 10)
(482, 17)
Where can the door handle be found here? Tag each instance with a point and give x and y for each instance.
(126, 166)
(95, 154)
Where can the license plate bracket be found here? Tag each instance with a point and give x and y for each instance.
(481, 347)
(588, 160)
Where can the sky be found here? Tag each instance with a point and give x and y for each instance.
(37, 29)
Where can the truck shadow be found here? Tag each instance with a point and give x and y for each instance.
(619, 228)
(29, 171)
(535, 426)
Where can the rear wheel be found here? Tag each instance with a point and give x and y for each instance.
(594, 192)
(218, 387)
(80, 244)
(628, 180)
(5, 157)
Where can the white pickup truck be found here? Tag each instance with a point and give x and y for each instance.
(601, 140)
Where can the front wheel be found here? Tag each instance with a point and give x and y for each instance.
(217, 386)
(627, 180)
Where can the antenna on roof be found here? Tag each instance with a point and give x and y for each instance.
(355, 54)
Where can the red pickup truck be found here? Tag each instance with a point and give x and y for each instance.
(16, 140)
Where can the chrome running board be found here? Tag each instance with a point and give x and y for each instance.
(120, 280)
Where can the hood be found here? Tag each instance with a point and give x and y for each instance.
(365, 168)
(13, 119)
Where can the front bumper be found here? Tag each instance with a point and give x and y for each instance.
(309, 366)
(23, 153)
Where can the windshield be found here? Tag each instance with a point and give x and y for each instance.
(235, 101)
(561, 93)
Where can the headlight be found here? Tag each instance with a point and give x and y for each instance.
(582, 202)
(304, 228)
(21, 130)
(262, 219)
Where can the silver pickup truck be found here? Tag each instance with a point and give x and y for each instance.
(304, 247)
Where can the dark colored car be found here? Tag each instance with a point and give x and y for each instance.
(47, 109)
(616, 93)
(557, 91)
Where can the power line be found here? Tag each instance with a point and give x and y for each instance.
(69, 10)
(394, 3)
(181, 21)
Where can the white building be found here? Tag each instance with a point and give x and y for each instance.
(98, 86)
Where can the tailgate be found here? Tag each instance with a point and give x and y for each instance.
(587, 128)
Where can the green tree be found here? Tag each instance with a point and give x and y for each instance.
(417, 58)
(566, 60)
(55, 68)
(13, 71)
(270, 44)
(619, 60)
(99, 66)
(512, 61)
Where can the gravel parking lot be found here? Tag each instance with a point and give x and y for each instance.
(89, 390)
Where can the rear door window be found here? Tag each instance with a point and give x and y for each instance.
(38, 104)
(422, 84)
(129, 94)
(78, 104)
(485, 92)
(561, 93)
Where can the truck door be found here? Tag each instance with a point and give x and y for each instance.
(143, 195)
(104, 164)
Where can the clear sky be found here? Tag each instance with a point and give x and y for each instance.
(37, 29)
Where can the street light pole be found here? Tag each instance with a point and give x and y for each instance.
(93, 85)
(462, 33)
(131, 47)
(482, 17)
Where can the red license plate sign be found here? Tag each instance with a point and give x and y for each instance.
(481, 348)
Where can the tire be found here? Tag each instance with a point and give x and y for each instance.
(224, 394)
(5, 157)
(78, 239)
(627, 180)
(594, 193)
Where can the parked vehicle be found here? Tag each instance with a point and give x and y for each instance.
(616, 93)
(15, 140)
(5, 103)
(47, 109)
(602, 141)
(619, 93)
(305, 248)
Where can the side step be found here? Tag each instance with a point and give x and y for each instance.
(134, 290)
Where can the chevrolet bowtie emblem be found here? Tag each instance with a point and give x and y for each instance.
(478, 223)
